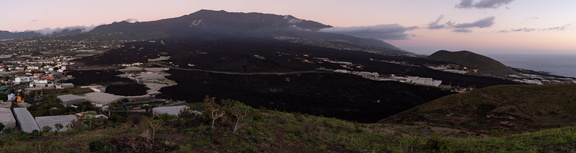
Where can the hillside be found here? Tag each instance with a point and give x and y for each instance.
(485, 65)
(18, 35)
(264, 130)
(514, 107)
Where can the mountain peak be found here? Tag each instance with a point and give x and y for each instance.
(216, 22)
(254, 20)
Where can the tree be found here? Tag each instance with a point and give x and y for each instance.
(238, 110)
(46, 129)
(213, 110)
(154, 125)
(58, 127)
(2, 126)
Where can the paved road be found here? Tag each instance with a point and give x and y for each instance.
(246, 73)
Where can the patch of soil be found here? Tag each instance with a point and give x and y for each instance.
(140, 145)
(101, 77)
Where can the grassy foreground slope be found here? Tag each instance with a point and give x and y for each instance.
(510, 107)
(264, 130)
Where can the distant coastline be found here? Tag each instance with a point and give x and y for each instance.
(555, 64)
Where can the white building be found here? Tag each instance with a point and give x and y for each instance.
(64, 85)
(27, 122)
(51, 121)
(7, 118)
(369, 75)
(70, 99)
(424, 81)
(341, 71)
(21, 79)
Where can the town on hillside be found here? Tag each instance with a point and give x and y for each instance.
(35, 97)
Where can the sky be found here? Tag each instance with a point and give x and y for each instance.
(419, 26)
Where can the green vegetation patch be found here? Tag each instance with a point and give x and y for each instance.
(231, 126)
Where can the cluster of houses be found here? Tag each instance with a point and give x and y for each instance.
(45, 77)
(37, 64)
(39, 81)
(15, 115)
(37, 74)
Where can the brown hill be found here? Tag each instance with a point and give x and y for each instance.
(485, 65)
(512, 107)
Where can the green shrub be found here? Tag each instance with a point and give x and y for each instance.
(437, 144)
(101, 146)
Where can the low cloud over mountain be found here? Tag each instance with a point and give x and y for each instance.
(383, 31)
(49, 31)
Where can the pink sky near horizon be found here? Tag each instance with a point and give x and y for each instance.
(538, 19)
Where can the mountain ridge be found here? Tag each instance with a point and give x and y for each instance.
(209, 23)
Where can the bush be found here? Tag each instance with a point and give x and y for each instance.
(100, 146)
(46, 129)
(437, 144)
(188, 113)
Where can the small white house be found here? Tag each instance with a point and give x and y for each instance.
(21, 79)
(64, 85)
(43, 81)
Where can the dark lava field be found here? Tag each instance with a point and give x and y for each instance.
(342, 96)
(328, 94)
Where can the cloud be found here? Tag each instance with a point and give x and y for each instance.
(482, 4)
(524, 29)
(383, 31)
(435, 25)
(465, 4)
(482, 23)
(557, 28)
(462, 27)
(462, 30)
(49, 31)
(131, 20)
